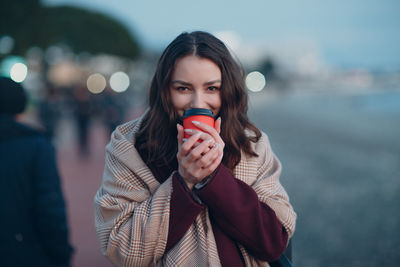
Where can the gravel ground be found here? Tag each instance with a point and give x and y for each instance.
(341, 167)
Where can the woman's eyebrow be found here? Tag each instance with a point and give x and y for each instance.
(189, 84)
(181, 82)
(212, 82)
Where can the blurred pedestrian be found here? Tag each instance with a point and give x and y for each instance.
(49, 110)
(210, 198)
(112, 110)
(82, 112)
(33, 226)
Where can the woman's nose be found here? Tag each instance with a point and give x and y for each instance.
(198, 101)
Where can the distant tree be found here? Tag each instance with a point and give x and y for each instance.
(31, 24)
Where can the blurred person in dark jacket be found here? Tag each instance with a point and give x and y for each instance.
(83, 112)
(33, 225)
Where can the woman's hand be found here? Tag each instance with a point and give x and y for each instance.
(196, 159)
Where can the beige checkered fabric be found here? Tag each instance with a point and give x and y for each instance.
(132, 208)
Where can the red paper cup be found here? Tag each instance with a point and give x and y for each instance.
(197, 114)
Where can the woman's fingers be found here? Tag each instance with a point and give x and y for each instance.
(200, 150)
(204, 162)
(213, 157)
(210, 130)
(203, 135)
(187, 145)
(180, 135)
(217, 125)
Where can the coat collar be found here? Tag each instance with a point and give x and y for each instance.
(11, 129)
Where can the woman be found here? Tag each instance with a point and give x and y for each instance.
(211, 199)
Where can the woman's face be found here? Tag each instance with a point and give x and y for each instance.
(196, 83)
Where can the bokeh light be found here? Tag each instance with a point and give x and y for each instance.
(64, 74)
(8, 62)
(119, 82)
(18, 72)
(255, 81)
(96, 83)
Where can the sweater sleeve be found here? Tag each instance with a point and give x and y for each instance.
(183, 211)
(236, 209)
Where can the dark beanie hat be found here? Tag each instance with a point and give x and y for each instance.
(12, 97)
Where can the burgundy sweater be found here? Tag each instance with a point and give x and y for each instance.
(236, 215)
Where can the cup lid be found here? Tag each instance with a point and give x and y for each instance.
(198, 111)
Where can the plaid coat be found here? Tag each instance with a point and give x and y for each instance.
(132, 208)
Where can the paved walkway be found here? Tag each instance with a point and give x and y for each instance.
(81, 178)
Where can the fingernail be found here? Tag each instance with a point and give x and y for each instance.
(210, 141)
(188, 130)
(184, 139)
(195, 122)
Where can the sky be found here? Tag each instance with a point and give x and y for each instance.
(340, 34)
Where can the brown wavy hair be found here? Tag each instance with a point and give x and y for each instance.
(158, 133)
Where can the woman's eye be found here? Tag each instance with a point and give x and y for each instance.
(182, 88)
(213, 88)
